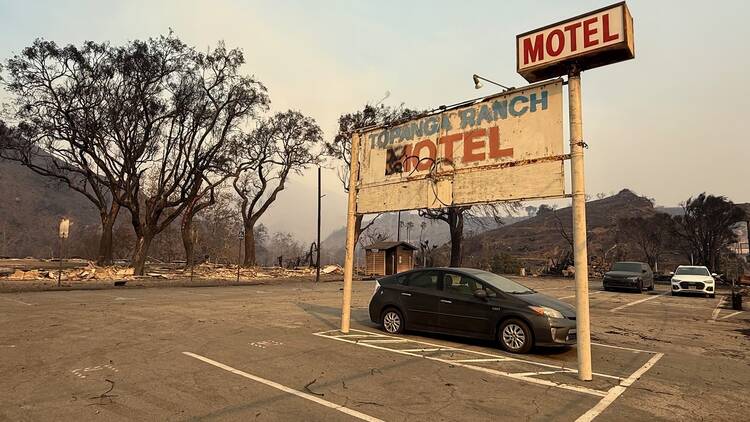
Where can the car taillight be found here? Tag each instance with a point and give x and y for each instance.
(377, 287)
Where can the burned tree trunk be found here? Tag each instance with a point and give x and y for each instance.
(140, 254)
(456, 226)
(104, 256)
(249, 260)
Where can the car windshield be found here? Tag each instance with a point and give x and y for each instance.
(632, 267)
(692, 271)
(501, 283)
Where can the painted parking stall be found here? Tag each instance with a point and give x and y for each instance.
(526, 370)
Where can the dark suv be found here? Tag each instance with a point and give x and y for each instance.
(629, 275)
(472, 303)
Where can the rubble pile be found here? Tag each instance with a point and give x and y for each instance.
(206, 271)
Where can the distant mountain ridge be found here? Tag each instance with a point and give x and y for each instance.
(542, 237)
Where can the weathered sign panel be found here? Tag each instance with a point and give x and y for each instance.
(504, 147)
(590, 40)
(64, 228)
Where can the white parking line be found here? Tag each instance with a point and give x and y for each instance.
(194, 293)
(17, 301)
(286, 389)
(617, 390)
(731, 315)
(637, 302)
(358, 335)
(572, 296)
(717, 310)
(624, 348)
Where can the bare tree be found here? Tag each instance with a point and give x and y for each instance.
(652, 235)
(706, 227)
(455, 217)
(340, 147)
(204, 199)
(58, 94)
(147, 121)
(185, 106)
(284, 144)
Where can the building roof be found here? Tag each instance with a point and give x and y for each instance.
(390, 245)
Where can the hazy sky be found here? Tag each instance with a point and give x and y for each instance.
(671, 123)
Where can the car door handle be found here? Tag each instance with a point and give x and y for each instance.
(445, 301)
(405, 294)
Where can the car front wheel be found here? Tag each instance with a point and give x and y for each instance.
(392, 321)
(515, 336)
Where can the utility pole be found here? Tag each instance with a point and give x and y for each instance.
(194, 239)
(317, 245)
(241, 237)
(577, 145)
(351, 219)
(398, 230)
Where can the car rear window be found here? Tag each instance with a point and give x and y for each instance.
(394, 279)
(633, 267)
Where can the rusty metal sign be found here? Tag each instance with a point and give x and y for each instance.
(498, 148)
(590, 40)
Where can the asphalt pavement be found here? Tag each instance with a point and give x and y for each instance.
(274, 352)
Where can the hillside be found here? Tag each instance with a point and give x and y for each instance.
(539, 239)
(436, 232)
(31, 207)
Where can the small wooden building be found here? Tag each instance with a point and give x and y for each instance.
(386, 258)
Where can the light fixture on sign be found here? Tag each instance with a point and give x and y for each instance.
(478, 84)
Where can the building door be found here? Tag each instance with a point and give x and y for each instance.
(390, 259)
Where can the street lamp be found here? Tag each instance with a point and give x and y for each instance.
(478, 84)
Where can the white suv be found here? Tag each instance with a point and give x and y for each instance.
(693, 279)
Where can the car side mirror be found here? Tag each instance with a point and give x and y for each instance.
(671, 273)
(480, 294)
(714, 275)
(644, 271)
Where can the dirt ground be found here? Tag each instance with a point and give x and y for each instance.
(273, 352)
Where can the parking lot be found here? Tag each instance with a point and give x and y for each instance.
(273, 352)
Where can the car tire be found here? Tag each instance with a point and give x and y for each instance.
(392, 321)
(607, 289)
(515, 336)
(674, 293)
(651, 287)
(712, 296)
(640, 286)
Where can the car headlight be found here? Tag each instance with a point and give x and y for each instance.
(545, 311)
(633, 278)
(710, 281)
(674, 280)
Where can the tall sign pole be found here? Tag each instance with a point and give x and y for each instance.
(580, 251)
(351, 220)
(597, 38)
(64, 232)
